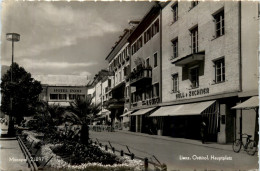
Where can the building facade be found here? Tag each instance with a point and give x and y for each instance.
(62, 89)
(145, 62)
(183, 64)
(201, 67)
(118, 85)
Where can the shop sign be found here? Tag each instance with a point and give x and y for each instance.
(153, 101)
(64, 90)
(192, 93)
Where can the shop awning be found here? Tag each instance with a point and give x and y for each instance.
(125, 114)
(251, 103)
(142, 111)
(183, 110)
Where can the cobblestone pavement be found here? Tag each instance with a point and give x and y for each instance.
(179, 154)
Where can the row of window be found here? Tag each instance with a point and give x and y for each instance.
(175, 9)
(220, 30)
(219, 25)
(137, 45)
(148, 34)
(119, 59)
(119, 76)
(144, 94)
(64, 96)
(194, 75)
(151, 31)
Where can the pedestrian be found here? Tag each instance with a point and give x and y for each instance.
(203, 131)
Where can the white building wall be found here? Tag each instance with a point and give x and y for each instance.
(226, 45)
(250, 44)
(98, 93)
(104, 85)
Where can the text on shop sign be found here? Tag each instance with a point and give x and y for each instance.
(66, 91)
(192, 93)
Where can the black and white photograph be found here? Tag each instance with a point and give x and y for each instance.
(129, 85)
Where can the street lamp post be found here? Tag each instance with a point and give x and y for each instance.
(14, 37)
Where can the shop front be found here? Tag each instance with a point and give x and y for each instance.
(247, 118)
(126, 120)
(184, 120)
(141, 122)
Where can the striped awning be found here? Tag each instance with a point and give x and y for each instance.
(251, 103)
(142, 111)
(183, 109)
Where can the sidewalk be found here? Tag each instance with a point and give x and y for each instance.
(214, 145)
(11, 156)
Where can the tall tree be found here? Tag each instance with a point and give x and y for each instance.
(23, 90)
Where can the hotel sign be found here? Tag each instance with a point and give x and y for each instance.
(57, 90)
(63, 90)
(192, 93)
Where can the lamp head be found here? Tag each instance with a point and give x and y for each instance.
(13, 37)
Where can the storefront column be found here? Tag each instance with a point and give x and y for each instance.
(222, 132)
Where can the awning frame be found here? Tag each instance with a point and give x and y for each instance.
(245, 105)
(142, 111)
(181, 110)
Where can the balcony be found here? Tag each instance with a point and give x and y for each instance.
(191, 58)
(140, 76)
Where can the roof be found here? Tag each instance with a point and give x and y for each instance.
(62, 80)
(119, 45)
(149, 17)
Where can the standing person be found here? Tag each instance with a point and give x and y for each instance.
(203, 131)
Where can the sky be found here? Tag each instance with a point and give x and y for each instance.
(65, 38)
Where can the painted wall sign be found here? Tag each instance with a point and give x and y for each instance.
(66, 91)
(192, 93)
(69, 90)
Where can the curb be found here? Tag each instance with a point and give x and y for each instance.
(167, 139)
(6, 139)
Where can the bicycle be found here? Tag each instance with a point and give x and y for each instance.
(250, 146)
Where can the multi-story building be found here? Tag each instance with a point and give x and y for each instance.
(118, 84)
(97, 90)
(206, 48)
(145, 62)
(62, 89)
(247, 120)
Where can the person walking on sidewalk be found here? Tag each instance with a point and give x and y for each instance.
(203, 131)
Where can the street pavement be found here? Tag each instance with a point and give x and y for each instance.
(11, 156)
(179, 154)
